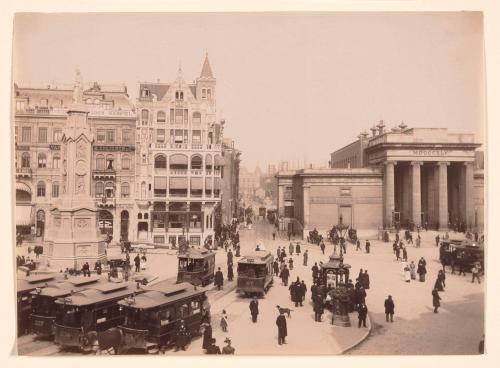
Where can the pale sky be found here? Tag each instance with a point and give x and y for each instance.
(290, 86)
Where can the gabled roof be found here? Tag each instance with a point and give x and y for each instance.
(158, 89)
(206, 70)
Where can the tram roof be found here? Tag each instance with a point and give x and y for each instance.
(196, 254)
(27, 283)
(66, 287)
(257, 257)
(154, 298)
(100, 293)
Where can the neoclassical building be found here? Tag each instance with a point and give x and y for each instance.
(179, 160)
(403, 176)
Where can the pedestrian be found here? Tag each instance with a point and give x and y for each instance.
(407, 274)
(437, 240)
(207, 335)
(297, 248)
(435, 300)
(228, 349)
(212, 348)
(421, 270)
(405, 254)
(362, 313)
(144, 261)
(314, 291)
(389, 309)
(342, 245)
(322, 246)
(274, 235)
(358, 245)
(318, 307)
(182, 337)
(306, 255)
(295, 292)
(230, 257)
(367, 246)
(276, 267)
(283, 254)
(137, 262)
(475, 273)
(361, 277)
(315, 271)
(290, 264)
(290, 249)
(366, 279)
(223, 321)
(398, 250)
(254, 309)
(418, 241)
(413, 275)
(303, 291)
(442, 277)
(218, 279)
(285, 273)
(230, 273)
(282, 330)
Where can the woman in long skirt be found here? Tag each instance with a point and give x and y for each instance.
(413, 274)
(407, 274)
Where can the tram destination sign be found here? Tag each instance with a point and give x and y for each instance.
(431, 152)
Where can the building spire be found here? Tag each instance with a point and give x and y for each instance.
(206, 70)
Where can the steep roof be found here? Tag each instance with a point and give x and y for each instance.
(206, 70)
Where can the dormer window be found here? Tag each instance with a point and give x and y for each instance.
(145, 92)
(179, 95)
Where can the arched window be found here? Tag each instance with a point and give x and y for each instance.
(196, 162)
(110, 162)
(161, 117)
(42, 160)
(99, 189)
(109, 190)
(40, 189)
(144, 117)
(178, 162)
(25, 160)
(55, 189)
(100, 162)
(196, 117)
(160, 162)
(146, 216)
(125, 162)
(55, 162)
(139, 216)
(125, 190)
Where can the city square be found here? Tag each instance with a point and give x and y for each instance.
(145, 223)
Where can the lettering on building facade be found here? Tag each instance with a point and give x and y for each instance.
(115, 148)
(431, 152)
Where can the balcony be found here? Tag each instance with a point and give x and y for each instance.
(23, 172)
(196, 172)
(178, 172)
(105, 202)
(187, 146)
(107, 174)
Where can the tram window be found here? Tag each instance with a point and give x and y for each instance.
(184, 311)
(195, 307)
(166, 316)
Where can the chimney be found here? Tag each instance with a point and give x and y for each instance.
(374, 131)
(403, 126)
(380, 127)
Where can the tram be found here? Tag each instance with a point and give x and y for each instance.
(196, 266)
(153, 317)
(44, 299)
(255, 273)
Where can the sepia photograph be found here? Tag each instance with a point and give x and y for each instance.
(253, 184)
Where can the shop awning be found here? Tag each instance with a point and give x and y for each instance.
(24, 187)
(178, 160)
(160, 182)
(178, 183)
(219, 160)
(208, 184)
(24, 216)
(197, 183)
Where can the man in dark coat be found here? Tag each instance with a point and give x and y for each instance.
(278, 252)
(315, 271)
(282, 331)
(219, 279)
(435, 300)
(362, 313)
(229, 257)
(213, 349)
(366, 280)
(137, 261)
(306, 256)
(303, 291)
(254, 309)
(360, 295)
(230, 273)
(182, 337)
(437, 240)
(314, 290)
(358, 245)
(322, 246)
(367, 246)
(285, 274)
(318, 307)
(398, 250)
(297, 248)
(389, 308)
(276, 267)
(207, 336)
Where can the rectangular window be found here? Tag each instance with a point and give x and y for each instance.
(125, 163)
(159, 239)
(101, 136)
(179, 135)
(160, 186)
(40, 190)
(42, 135)
(19, 105)
(172, 112)
(196, 136)
(179, 116)
(126, 136)
(55, 190)
(57, 134)
(26, 135)
(209, 94)
(160, 135)
(204, 94)
(194, 240)
(110, 136)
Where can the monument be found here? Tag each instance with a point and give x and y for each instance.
(73, 237)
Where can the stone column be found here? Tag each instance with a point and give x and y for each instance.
(389, 192)
(469, 194)
(306, 213)
(416, 194)
(443, 195)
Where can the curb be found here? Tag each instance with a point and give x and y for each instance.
(363, 338)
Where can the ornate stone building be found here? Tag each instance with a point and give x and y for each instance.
(402, 177)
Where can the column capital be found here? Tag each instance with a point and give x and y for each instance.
(417, 163)
(390, 162)
(469, 163)
(441, 163)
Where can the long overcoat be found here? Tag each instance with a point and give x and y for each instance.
(281, 323)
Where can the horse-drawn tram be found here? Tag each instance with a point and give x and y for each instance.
(25, 285)
(255, 273)
(196, 266)
(153, 318)
(44, 299)
(83, 317)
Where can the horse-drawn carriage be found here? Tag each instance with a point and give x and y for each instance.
(315, 237)
(255, 273)
(352, 235)
(461, 254)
